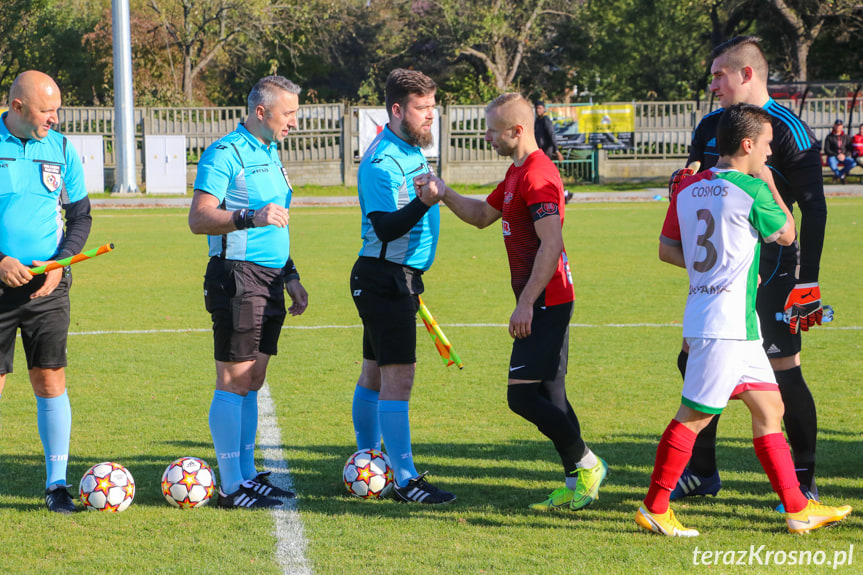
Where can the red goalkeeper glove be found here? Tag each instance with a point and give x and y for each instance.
(804, 302)
(676, 178)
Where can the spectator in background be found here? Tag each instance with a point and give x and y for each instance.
(837, 148)
(543, 131)
(857, 146)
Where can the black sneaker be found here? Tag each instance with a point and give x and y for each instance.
(58, 500)
(418, 490)
(267, 489)
(247, 498)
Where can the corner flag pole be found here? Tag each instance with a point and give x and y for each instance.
(444, 347)
(72, 259)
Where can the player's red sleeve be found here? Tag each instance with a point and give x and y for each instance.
(495, 199)
(671, 226)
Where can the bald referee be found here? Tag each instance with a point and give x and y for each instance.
(40, 174)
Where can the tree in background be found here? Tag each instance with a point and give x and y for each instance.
(47, 35)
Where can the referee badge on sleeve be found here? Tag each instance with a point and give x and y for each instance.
(51, 177)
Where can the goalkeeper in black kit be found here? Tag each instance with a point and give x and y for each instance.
(739, 73)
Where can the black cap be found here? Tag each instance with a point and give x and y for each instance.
(538, 103)
(838, 122)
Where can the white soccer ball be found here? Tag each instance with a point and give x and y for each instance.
(107, 486)
(188, 482)
(368, 474)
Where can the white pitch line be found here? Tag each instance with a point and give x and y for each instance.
(291, 541)
(313, 327)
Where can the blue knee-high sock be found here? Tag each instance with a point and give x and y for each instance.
(54, 418)
(249, 430)
(226, 412)
(396, 431)
(365, 416)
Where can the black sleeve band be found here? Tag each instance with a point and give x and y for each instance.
(289, 272)
(239, 219)
(78, 224)
(390, 226)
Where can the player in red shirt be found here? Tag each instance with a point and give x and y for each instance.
(857, 146)
(530, 202)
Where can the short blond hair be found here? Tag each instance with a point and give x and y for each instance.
(514, 107)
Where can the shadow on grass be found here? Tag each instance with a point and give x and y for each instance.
(506, 476)
(490, 479)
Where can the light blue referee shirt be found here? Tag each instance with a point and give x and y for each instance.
(386, 184)
(36, 179)
(242, 172)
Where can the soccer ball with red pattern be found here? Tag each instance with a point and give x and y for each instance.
(188, 482)
(368, 474)
(107, 486)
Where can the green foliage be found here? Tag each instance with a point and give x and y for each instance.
(342, 50)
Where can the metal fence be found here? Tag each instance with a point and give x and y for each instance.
(328, 134)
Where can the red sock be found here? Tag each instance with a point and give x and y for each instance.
(672, 455)
(775, 457)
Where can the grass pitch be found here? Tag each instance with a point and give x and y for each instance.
(141, 379)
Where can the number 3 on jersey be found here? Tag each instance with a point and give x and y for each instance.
(703, 240)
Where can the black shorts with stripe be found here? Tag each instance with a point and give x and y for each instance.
(778, 267)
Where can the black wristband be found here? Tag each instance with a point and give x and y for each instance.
(239, 219)
(250, 219)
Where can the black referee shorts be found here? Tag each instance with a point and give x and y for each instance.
(386, 296)
(44, 324)
(247, 304)
(544, 354)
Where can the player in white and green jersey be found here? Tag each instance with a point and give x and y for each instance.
(712, 229)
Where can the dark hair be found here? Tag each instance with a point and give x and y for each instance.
(737, 123)
(742, 51)
(402, 83)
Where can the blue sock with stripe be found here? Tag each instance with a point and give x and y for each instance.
(367, 428)
(396, 430)
(226, 413)
(249, 430)
(54, 419)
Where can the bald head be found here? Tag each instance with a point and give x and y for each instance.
(509, 127)
(514, 109)
(34, 102)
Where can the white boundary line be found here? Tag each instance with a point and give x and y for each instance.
(308, 327)
(291, 541)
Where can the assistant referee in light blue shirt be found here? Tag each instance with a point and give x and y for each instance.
(400, 233)
(40, 177)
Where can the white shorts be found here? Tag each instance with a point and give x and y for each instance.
(721, 369)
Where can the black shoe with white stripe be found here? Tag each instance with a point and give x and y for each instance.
(58, 500)
(267, 489)
(418, 490)
(246, 497)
